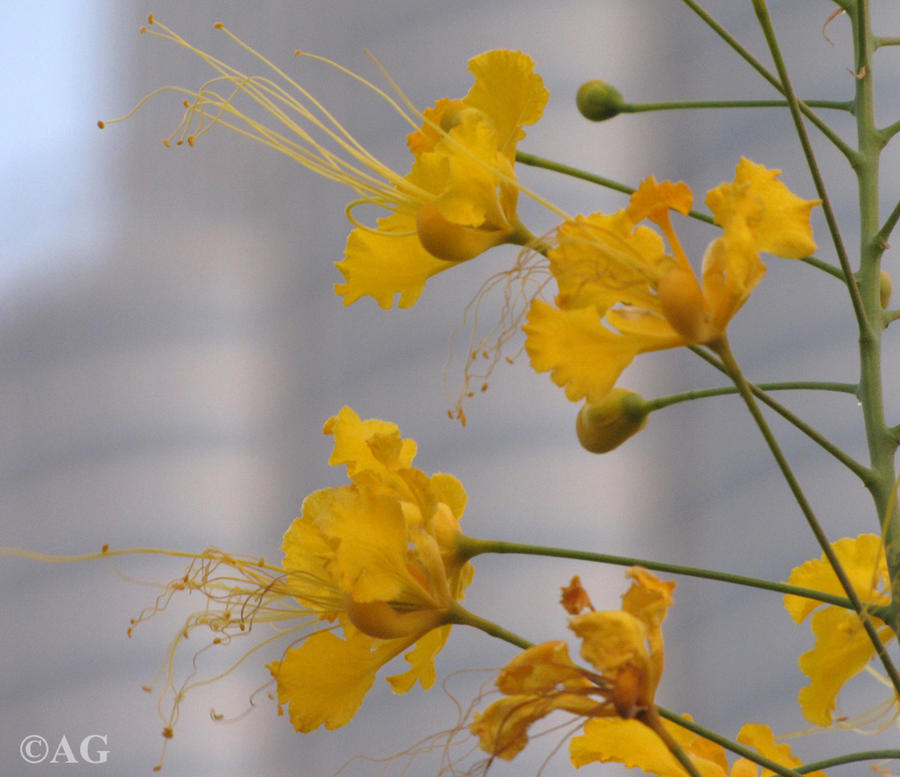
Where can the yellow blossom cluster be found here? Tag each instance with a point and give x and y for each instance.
(371, 570)
(376, 568)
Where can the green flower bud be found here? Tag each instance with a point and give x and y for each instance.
(599, 101)
(604, 426)
(885, 287)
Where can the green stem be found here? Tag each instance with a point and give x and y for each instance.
(852, 464)
(825, 267)
(849, 758)
(724, 351)
(888, 132)
(762, 13)
(533, 160)
(470, 547)
(728, 744)
(759, 68)
(795, 385)
(678, 105)
(459, 615)
(884, 234)
(881, 441)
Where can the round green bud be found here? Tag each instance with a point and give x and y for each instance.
(599, 101)
(604, 426)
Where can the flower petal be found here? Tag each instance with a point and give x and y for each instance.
(842, 651)
(541, 669)
(634, 744)
(385, 262)
(324, 680)
(421, 659)
(862, 559)
(611, 639)
(653, 200)
(761, 739)
(604, 259)
(583, 355)
(367, 446)
(777, 216)
(509, 92)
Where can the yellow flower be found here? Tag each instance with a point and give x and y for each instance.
(460, 197)
(387, 544)
(625, 648)
(843, 649)
(621, 293)
(633, 744)
(371, 570)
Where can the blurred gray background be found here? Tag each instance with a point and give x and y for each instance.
(170, 347)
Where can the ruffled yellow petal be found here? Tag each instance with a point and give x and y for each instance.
(449, 491)
(761, 739)
(603, 259)
(543, 668)
(731, 270)
(324, 680)
(610, 639)
(384, 263)
(538, 681)
(502, 729)
(370, 538)
(430, 134)
(367, 446)
(649, 598)
(653, 200)
(862, 559)
(842, 651)
(779, 218)
(583, 356)
(462, 172)
(656, 331)
(633, 744)
(306, 555)
(509, 93)
(421, 660)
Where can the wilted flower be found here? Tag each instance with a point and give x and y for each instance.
(624, 647)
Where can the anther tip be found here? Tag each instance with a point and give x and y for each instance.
(150, 18)
(101, 124)
(218, 25)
